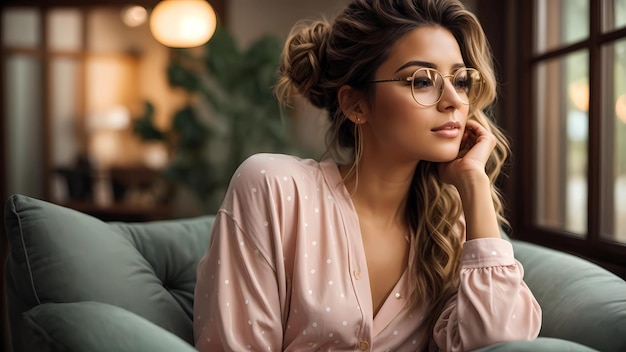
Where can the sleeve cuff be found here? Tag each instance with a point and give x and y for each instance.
(487, 252)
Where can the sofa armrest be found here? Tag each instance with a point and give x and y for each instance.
(95, 327)
(539, 344)
(580, 301)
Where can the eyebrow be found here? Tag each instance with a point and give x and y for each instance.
(426, 64)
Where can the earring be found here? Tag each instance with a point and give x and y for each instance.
(358, 120)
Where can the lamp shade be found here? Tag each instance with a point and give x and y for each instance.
(183, 23)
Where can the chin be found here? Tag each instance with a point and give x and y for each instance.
(445, 156)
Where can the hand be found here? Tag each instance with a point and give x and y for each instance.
(476, 146)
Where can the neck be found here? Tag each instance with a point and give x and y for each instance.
(380, 194)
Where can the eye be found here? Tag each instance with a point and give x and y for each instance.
(462, 83)
(422, 82)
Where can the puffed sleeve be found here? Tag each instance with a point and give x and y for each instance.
(237, 300)
(493, 303)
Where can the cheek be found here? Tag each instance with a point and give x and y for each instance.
(395, 106)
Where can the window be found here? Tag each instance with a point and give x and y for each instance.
(571, 147)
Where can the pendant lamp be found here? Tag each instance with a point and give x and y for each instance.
(183, 23)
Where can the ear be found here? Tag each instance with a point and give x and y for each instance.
(352, 104)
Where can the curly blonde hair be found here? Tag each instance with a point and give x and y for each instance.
(320, 57)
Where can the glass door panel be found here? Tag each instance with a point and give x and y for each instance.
(24, 127)
(613, 212)
(562, 93)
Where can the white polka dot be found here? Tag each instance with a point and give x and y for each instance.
(328, 309)
(317, 210)
(249, 322)
(227, 304)
(208, 339)
(265, 223)
(330, 282)
(395, 332)
(262, 171)
(306, 197)
(328, 261)
(514, 317)
(314, 243)
(285, 178)
(314, 324)
(312, 271)
(226, 281)
(304, 332)
(289, 198)
(494, 253)
(219, 261)
(344, 323)
(241, 244)
(331, 334)
(330, 197)
(414, 342)
(310, 292)
(253, 190)
(295, 311)
(257, 251)
(306, 224)
(473, 255)
(342, 295)
(246, 302)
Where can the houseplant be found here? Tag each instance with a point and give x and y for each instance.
(234, 113)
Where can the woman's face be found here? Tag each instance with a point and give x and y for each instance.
(398, 128)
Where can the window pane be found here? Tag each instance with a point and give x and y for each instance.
(560, 22)
(64, 106)
(25, 169)
(562, 101)
(613, 206)
(614, 14)
(20, 27)
(64, 29)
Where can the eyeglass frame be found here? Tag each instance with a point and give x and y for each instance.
(443, 77)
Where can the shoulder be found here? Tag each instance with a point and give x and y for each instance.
(267, 166)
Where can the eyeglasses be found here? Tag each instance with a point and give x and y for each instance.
(427, 85)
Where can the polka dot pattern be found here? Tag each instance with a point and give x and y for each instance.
(287, 251)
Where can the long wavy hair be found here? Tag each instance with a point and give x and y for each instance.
(320, 57)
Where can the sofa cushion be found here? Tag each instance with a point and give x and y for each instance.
(60, 255)
(580, 301)
(95, 327)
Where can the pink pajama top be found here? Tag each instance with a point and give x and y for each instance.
(286, 271)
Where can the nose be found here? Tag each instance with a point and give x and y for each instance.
(450, 99)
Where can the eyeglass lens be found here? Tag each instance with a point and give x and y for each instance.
(427, 85)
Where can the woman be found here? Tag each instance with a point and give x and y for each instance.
(391, 241)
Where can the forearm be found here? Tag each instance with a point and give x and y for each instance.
(480, 213)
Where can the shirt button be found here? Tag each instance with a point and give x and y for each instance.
(364, 346)
(357, 275)
(398, 295)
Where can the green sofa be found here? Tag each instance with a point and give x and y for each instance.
(75, 283)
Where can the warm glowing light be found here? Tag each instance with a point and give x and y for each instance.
(183, 23)
(134, 15)
(620, 108)
(579, 95)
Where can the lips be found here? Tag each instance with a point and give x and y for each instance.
(447, 126)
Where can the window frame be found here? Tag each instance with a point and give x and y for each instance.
(520, 189)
